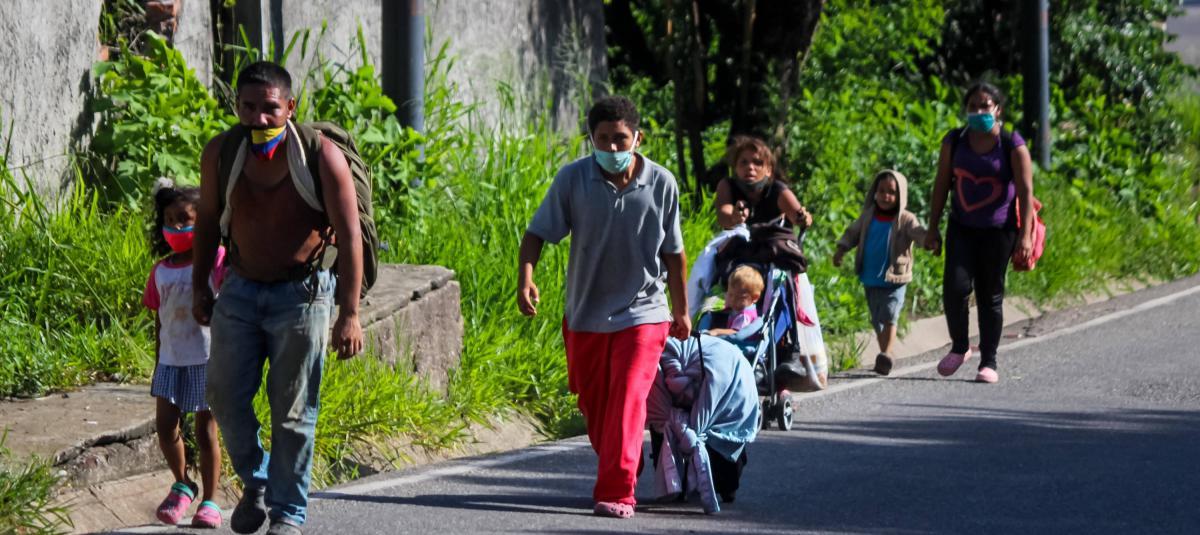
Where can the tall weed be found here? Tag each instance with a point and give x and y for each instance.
(25, 489)
(155, 118)
(70, 293)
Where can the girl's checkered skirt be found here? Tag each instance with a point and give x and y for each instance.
(183, 386)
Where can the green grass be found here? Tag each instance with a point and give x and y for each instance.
(25, 489)
(70, 293)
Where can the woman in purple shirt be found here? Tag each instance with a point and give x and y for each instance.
(991, 174)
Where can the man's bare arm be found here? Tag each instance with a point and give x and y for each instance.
(341, 206)
(207, 231)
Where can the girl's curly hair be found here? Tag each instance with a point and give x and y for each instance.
(755, 145)
(166, 194)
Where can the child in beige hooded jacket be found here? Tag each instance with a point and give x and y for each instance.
(884, 234)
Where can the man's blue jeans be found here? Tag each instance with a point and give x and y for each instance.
(287, 325)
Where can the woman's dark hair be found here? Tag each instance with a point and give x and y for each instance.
(742, 143)
(164, 197)
(987, 89)
(613, 108)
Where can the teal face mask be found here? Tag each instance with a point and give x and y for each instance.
(981, 122)
(613, 162)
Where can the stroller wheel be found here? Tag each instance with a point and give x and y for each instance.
(784, 412)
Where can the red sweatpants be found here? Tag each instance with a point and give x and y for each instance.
(612, 373)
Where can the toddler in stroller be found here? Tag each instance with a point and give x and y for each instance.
(742, 291)
(783, 343)
(702, 413)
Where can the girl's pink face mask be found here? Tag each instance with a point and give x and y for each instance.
(180, 239)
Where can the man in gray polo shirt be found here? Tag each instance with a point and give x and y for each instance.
(622, 212)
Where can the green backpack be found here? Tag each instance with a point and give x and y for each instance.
(233, 154)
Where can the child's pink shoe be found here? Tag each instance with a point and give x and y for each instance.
(613, 510)
(208, 515)
(172, 508)
(952, 362)
(987, 375)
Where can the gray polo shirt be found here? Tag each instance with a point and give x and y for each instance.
(615, 277)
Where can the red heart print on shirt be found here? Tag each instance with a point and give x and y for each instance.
(981, 192)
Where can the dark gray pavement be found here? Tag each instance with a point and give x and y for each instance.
(1186, 29)
(1094, 428)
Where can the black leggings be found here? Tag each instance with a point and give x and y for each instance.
(976, 259)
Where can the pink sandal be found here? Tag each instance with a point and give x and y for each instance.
(613, 510)
(952, 362)
(172, 508)
(208, 515)
(987, 375)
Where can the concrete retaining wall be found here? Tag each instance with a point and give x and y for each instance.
(46, 55)
(412, 319)
(194, 37)
(545, 48)
(542, 49)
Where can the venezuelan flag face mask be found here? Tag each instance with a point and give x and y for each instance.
(263, 142)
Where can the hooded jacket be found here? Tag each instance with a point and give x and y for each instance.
(905, 230)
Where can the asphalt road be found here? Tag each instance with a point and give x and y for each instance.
(1094, 428)
(1186, 29)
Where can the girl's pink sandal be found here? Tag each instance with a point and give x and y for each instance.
(208, 515)
(172, 508)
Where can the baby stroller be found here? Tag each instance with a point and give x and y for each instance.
(702, 412)
(784, 344)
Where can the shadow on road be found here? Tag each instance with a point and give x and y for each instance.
(990, 470)
(926, 468)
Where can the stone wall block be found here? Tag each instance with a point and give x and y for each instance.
(412, 319)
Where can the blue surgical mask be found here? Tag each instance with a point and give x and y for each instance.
(613, 162)
(981, 122)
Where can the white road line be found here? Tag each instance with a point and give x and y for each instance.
(918, 368)
(454, 469)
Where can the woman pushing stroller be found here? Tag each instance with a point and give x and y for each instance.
(757, 196)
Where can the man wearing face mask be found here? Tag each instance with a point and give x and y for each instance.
(277, 300)
(622, 213)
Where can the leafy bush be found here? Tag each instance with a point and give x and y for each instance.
(155, 117)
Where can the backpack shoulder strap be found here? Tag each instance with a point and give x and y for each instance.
(232, 157)
(1006, 142)
(312, 136)
(957, 135)
(303, 158)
